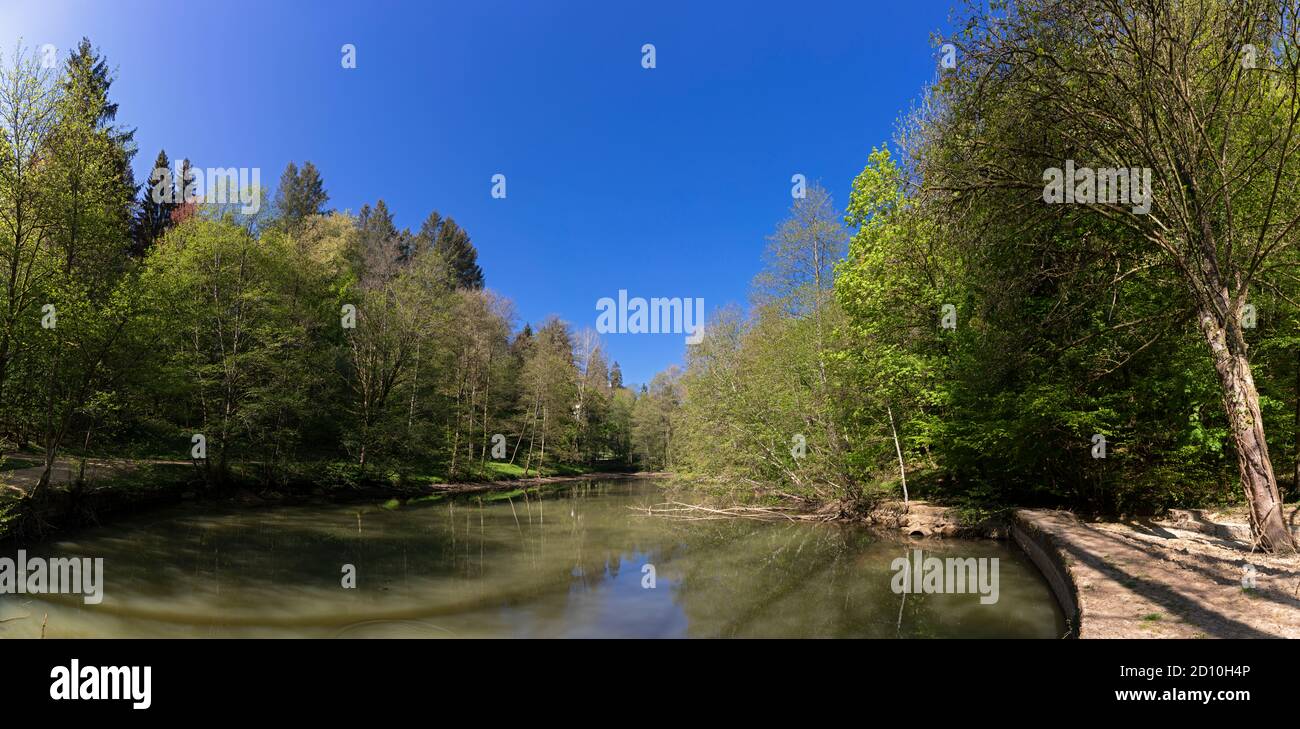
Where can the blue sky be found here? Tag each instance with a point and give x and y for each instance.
(664, 182)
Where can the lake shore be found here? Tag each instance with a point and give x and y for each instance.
(115, 488)
(1190, 574)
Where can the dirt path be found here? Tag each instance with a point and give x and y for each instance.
(1182, 577)
(66, 469)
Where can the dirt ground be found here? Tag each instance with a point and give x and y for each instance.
(1192, 574)
(66, 469)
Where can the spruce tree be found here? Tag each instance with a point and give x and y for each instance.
(85, 87)
(453, 245)
(154, 216)
(376, 223)
(301, 194)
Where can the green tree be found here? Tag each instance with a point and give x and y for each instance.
(301, 194)
(156, 206)
(452, 243)
(1044, 84)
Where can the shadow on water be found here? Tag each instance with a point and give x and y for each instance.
(571, 564)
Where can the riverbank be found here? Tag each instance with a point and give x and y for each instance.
(1169, 578)
(116, 487)
(1190, 574)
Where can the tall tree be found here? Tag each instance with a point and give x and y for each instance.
(1170, 92)
(300, 195)
(616, 377)
(157, 203)
(87, 81)
(89, 193)
(452, 243)
(549, 383)
(29, 103)
(377, 231)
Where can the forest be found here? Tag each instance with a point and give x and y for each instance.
(270, 346)
(962, 330)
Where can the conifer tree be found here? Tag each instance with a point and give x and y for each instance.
(301, 194)
(154, 211)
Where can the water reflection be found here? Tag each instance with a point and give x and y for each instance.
(568, 565)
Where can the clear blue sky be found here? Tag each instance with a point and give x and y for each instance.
(663, 182)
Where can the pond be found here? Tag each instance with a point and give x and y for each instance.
(585, 560)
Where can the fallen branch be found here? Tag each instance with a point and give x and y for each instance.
(680, 510)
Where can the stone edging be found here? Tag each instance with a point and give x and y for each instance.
(1042, 551)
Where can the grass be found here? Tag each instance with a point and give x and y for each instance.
(149, 477)
(431, 498)
(498, 471)
(494, 471)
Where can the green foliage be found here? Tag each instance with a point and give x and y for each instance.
(9, 510)
(303, 346)
(766, 403)
(452, 244)
(301, 195)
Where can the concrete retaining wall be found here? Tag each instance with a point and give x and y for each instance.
(1047, 558)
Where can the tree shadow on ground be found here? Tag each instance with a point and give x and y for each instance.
(1190, 608)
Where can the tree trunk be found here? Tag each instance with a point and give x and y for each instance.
(1241, 403)
(415, 377)
(487, 395)
(46, 474)
(1295, 431)
(898, 448)
(541, 459)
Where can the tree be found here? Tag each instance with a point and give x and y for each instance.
(452, 243)
(156, 206)
(300, 195)
(86, 83)
(377, 231)
(1160, 88)
(399, 305)
(476, 390)
(762, 393)
(893, 287)
(187, 191)
(230, 337)
(29, 102)
(88, 194)
(655, 419)
(548, 392)
(593, 395)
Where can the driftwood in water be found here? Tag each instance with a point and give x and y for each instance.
(699, 512)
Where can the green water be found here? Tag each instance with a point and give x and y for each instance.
(569, 565)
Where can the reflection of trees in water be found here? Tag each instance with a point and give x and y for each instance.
(745, 578)
(826, 580)
(178, 552)
(570, 539)
(729, 577)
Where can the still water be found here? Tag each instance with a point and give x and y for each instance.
(571, 564)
